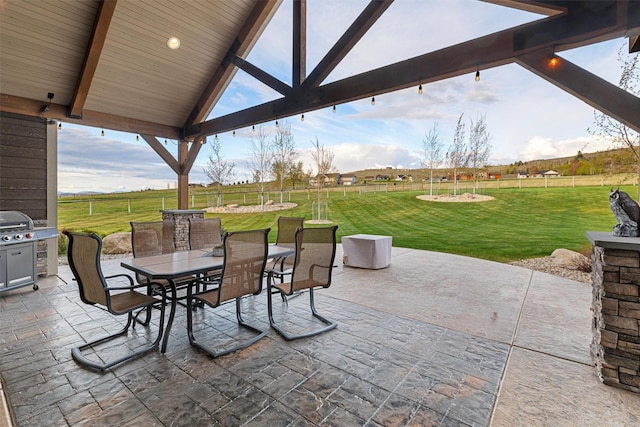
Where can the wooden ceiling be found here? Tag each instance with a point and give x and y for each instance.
(108, 65)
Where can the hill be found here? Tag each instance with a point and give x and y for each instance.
(621, 160)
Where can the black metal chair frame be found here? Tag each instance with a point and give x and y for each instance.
(146, 304)
(194, 299)
(275, 273)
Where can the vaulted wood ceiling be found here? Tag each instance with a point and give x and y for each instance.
(108, 65)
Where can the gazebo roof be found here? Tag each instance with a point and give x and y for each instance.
(108, 64)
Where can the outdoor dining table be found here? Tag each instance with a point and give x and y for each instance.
(171, 266)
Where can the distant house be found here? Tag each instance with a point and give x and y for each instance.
(382, 177)
(550, 173)
(401, 178)
(369, 178)
(346, 179)
(522, 174)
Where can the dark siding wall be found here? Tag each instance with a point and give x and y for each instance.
(23, 165)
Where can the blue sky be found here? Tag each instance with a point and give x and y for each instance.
(527, 117)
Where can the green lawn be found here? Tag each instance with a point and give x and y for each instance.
(519, 223)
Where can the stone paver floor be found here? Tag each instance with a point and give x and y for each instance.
(408, 362)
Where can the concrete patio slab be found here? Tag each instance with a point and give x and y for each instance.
(434, 339)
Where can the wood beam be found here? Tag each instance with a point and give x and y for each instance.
(485, 52)
(598, 93)
(299, 71)
(634, 44)
(349, 39)
(192, 155)
(183, 177)
(162, 152)
(94, 50)
(262, 76)
(30, 107)
(221, 78)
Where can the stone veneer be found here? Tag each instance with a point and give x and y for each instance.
(615, 347)
(180, 221)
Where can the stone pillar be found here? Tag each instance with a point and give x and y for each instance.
(180, 221)
(615, 347)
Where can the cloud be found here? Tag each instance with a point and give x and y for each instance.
(544, 148)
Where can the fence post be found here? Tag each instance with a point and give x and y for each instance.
(129, 205)
(162, 203)
(90, 207)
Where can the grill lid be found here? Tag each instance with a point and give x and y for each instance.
(14, 220)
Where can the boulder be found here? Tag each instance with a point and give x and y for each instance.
(116, 243)
(268, 203)
(568, 259)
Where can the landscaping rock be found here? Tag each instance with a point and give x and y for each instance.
(568, 259)
(268, 203)
(233, 205)
(116, 243)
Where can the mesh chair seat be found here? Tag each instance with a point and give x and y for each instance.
(245, 257)
(312, 267)
(83, 253)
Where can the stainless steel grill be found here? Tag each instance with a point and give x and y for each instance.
(18, 250)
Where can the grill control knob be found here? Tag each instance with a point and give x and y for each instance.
(6, 237)
(29, 235)
(18, 236)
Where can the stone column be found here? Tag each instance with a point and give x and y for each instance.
(180, 221)
(615, 347)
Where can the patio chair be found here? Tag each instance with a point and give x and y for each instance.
(205, 233)
(287, 227)
(313, 263)
(155, 238)
(83, 253)
(245, 257)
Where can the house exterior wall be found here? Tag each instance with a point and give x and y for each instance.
(28, 177)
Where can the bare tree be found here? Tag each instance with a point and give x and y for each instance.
(610, 129)
(284, 154)
(457, 154)
(479, 148)
(218, 170)
(431, 154)
(323, 159)
(261, 159)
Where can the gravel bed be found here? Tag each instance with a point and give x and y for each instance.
(546, 265)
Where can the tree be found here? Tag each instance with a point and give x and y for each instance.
(296, 173)
(284, 154)
(218, 170)
(479, 148)
(457, 154)
(610, 129)
(431, 153)
(261, 159)
(323, 159)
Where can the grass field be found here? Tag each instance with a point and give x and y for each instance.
(520, 223)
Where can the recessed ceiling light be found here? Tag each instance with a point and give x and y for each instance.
(173, 43)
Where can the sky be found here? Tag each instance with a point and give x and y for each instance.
(527, 117)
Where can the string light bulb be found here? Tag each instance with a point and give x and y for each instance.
(276, 123)
(59, 126)
(478, 75)
(420, 89)
(102, 133)
(137, 137)
(165, 142)
(302, 118)
(234, 133)
(253, 128)
(216, 137)
(334, 108)
(373, 100)
(553, 62)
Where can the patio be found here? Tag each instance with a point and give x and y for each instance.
(434, 339)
